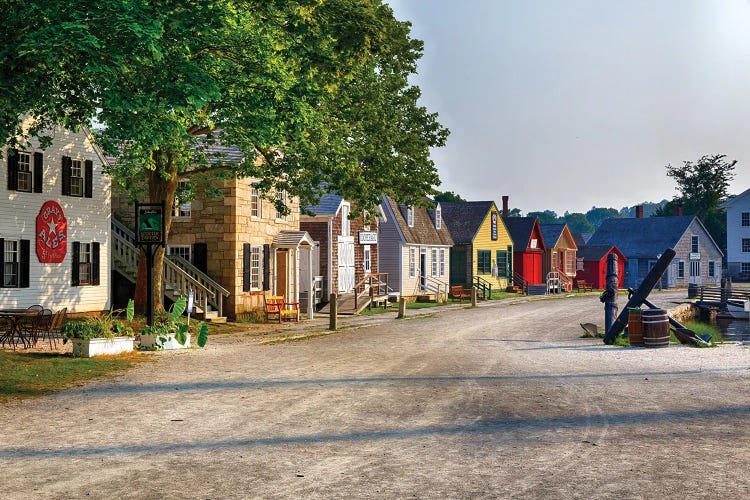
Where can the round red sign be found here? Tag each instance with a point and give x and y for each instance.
(51, 233)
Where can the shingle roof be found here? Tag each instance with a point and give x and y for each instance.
(520, 229)
(327, 205)
(581, 239)
(424, 231)
(594, 252)
(642, 237)
(551, 233)
(465, 218)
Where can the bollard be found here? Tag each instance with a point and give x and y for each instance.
(610, 294)
(333, 317)
(473, 297)
(401, 307)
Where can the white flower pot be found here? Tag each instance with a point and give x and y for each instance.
(86, 348)
(149, 341)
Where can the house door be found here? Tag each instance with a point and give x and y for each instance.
(346, 264)
(458, 267)
(423, 268)
(281, 272)
(695, 272)
(672, 275)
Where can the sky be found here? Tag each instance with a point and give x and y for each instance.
(566, 105)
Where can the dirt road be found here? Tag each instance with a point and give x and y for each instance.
(501, 401)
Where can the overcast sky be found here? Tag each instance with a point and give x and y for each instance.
(564, 105)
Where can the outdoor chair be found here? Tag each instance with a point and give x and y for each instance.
(272, 306)
(44, 326)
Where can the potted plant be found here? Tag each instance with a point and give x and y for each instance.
(100, 335)
(171, 331)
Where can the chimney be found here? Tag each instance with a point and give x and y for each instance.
(505, 206)
(639, 211)
(678, 210)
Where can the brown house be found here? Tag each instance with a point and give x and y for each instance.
(348, 248)
(559, 255)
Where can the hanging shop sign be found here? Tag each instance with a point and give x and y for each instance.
(51, 234)
(149, 227)
(368, 238)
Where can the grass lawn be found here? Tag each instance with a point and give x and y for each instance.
(29, 374)
(394, 308)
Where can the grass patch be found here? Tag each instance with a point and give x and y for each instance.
(705, 328)
(32, 374)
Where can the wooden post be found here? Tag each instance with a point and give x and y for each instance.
(473, 297)
(333, 315)
(610, 304)
(401, 307)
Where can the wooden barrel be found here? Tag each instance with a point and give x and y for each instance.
(655, 328)
(635, 326)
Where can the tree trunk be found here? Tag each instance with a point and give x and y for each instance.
(162, 185)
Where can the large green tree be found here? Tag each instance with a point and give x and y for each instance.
(545, 217)
(312, 93)
(702, 186)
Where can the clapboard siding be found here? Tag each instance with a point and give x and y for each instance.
(390, 250)
(88, 221)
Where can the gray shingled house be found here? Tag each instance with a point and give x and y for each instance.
(643, 240)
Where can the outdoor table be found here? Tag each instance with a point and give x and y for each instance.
(14, 318)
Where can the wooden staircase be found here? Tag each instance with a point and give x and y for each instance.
(372, 289)
(179, 276)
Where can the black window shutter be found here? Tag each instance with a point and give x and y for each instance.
(2, 262)
(67, 164)
(266, 267)
(38, 172)
(12, 155)
(246, 267)
(200, 256)
(88, 180)
(75, 258)
(95, 263)
(23, 265)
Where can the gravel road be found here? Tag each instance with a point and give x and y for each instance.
(501, 401)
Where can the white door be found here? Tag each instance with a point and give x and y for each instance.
(695, 272)
(346, 264)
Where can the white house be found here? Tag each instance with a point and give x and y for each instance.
(738, 234)
(55, 225)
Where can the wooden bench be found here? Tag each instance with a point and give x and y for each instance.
(582, 286)
(460, 293)
(275, 307)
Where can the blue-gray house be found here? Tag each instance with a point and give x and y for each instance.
(643, 240)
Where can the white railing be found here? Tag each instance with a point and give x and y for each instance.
(553, 282)
(433, 285)
(180, 277)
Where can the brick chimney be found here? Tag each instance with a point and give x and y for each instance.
(505, 206)
(639, 211)
(678, 210)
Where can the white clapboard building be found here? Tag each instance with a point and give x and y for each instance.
(55, 225)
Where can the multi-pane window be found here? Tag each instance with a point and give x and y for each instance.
(180, 251)
(438, 217)
(745, 267)
(11, 264)
(76, 178)
(746, 219)
(280, 197)
(681, 269)
(695, 268)
(367, 261)
(484, 262)
(180, 208)
(746, 244)
(555, 263)
(345, 226)
(694, 244)
(412, 262)
(24, 172)
(255, 203)
(502, 263)
(84, 264)
(410, 216)
(442, 262)
(434, 262)
(256, 267)
(570, 263)
(711, 268)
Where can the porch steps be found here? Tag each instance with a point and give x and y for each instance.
(537, 290)
(346, 307)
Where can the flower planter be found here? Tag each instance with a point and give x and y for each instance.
(149, 341)
(86, 348)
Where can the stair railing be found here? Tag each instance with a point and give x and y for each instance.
(434, 285)
(217, 292)
(374, 283)
(521, 282)
(484, 286)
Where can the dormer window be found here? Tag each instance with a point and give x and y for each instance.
(410, 216)
(438, 217)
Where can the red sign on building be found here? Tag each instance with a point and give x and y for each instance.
(51, 234)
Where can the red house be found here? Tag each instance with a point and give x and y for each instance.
(592, 265)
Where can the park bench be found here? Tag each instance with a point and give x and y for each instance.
(275, 307)
(582, 286)
(460, 293)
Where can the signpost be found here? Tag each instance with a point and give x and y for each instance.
(150, 233)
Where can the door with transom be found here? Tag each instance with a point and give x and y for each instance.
(346, 264)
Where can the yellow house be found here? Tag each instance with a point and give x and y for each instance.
(482, 252)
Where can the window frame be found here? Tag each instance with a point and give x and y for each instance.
(438, 217)
(14, 264)
(501, 259)
(711, 269)
(256, 203)
(745, 267)
(346, 227)
(482, 266)
(85, 252)
(256, 268)
(77, 181)
(28, 172)
(412, 262)
(433, 262)
(694, 244)
(681, 269)
(367, 259)
(442, 262)
(281, 195)
(178, 250)
(181, 210)
(410, 216)
(745, 219)
(745, 243)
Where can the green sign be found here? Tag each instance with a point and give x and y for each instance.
(150, 224)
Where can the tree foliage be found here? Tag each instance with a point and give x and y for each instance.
(596, 216)
(448, 196)
(310, 93)
(546, 217)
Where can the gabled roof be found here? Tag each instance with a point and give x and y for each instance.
(521, 229)
(581, 239)
(642, 237)
(551, 233)
(327, 205)
(465, 218)
(596, 252)
(731, 201)
(424, 231)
